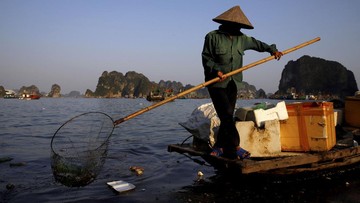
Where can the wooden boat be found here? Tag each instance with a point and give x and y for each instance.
(10, 94)
(152, 97)
(159, 96)
(315, 144)
(283, 163)
(286, 163)
(30, 97)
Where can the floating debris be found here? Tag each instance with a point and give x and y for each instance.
(121, 186)
(137, 169)
(5, 159)
(200, 174)
(10, 186)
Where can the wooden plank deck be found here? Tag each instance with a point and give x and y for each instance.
(286, 163)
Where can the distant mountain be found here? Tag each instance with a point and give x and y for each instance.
(133, 85)
(55, 91)
(32, 89)
(116, 85)
(73, 94)
(2, 91)
(316, 76)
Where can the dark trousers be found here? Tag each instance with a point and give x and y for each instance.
(224, 100)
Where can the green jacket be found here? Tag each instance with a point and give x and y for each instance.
(224, 53)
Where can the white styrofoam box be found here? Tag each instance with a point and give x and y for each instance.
(260, 142)
(278, 112)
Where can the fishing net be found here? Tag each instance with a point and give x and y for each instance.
(79, 148)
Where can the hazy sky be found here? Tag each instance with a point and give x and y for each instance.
(71, 42)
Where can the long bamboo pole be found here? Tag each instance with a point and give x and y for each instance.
(143, 110)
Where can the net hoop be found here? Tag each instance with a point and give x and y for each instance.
(79, 148)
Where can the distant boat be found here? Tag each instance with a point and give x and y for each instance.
(158, 96)
(7, 96)
(10, 94)
(155, 97)
(30, 96)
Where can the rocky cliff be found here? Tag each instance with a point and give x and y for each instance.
(55, 91)
(132, 85)
(73, 94)
(29, 90)
(247, 91)
(115, 85)
(2, 91)
(316, 76)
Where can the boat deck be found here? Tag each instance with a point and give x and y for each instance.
(283, 163)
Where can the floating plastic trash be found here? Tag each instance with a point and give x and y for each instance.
(121, 186)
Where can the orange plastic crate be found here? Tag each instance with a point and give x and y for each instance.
(310, 127)
(352, 111)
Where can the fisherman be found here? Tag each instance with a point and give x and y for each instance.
(222, 53)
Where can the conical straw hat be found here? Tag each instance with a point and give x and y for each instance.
(234, 15)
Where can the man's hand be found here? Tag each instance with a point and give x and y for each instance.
(278, 55)
(221, 75)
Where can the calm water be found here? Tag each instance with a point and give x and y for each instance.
(26, 128)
